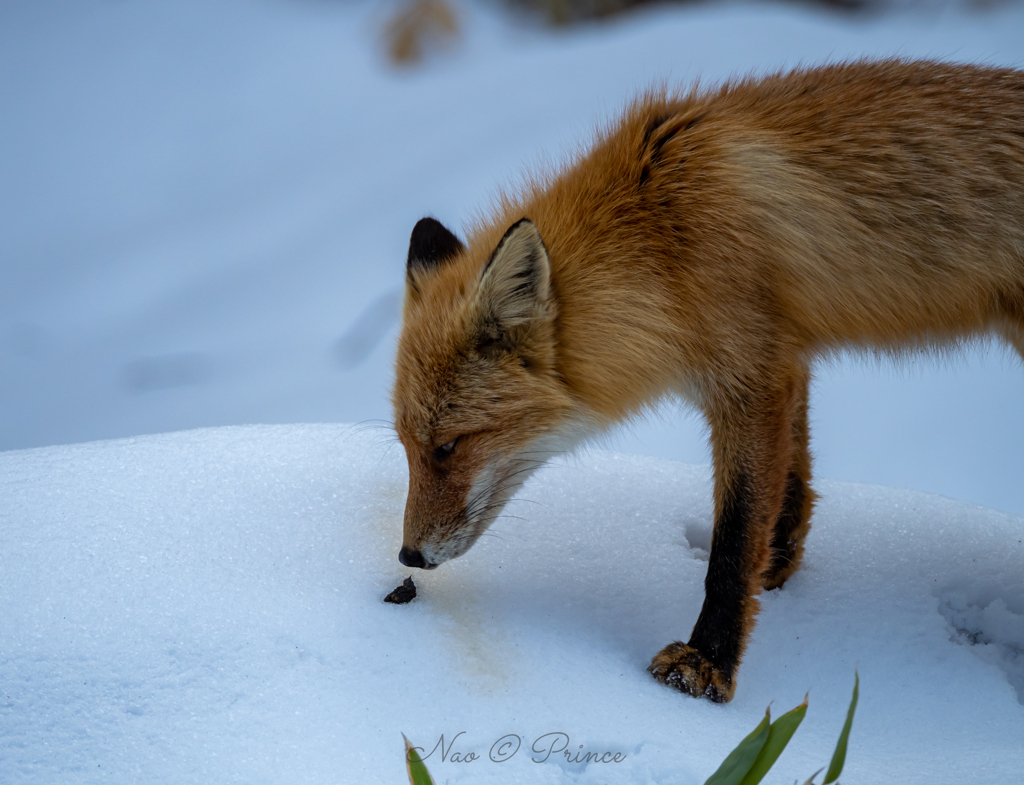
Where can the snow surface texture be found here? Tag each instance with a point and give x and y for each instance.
(206, 207)
(207, 606)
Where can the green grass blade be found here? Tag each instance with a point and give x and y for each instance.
(418, 774)
(835, 768)
(779, 734)
(738, 762)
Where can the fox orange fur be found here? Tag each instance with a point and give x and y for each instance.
(710, 246)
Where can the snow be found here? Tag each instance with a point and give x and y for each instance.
(207, 606)
(206, 208)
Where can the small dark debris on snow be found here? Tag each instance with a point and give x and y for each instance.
(404, 593)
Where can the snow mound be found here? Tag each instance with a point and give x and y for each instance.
(207, 606)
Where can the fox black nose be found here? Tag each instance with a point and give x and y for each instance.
(411, 558)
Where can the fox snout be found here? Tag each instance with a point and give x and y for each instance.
(450, 504)
(411, 558)
(428, 551)
(453, 500)
(430, 556)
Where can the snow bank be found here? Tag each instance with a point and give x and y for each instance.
(207, 607)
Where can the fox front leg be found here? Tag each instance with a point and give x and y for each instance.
(752, 452)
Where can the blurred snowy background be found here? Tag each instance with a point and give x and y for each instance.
(205, 208)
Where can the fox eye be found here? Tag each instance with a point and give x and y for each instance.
(445, 450)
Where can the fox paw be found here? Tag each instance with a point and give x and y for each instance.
(785, 560)
(685, 668)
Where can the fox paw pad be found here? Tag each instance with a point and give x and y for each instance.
(687, 670)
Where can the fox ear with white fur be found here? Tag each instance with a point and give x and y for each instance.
(515, 285)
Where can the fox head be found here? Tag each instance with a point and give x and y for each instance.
(478, 402)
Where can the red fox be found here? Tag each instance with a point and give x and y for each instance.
(710, 247)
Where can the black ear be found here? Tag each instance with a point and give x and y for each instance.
(429, 246)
